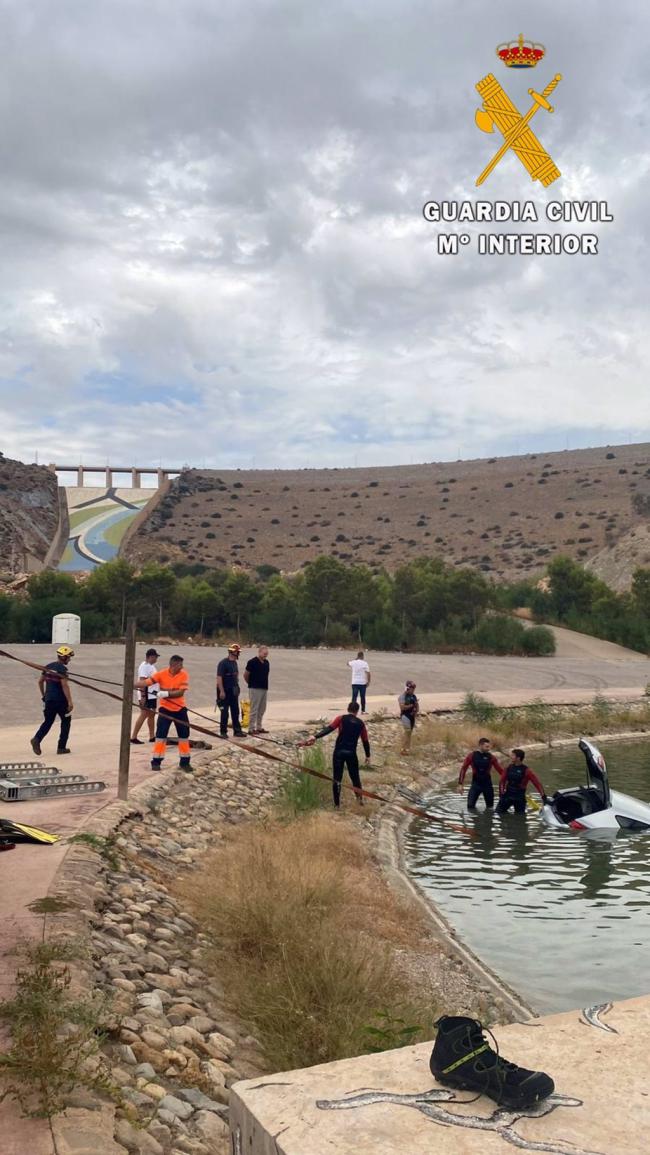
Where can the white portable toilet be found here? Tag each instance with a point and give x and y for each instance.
(66, 630)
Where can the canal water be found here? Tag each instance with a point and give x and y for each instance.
(563, 917)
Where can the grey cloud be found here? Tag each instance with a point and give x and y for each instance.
(224, 204)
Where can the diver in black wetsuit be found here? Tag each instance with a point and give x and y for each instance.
(482, 762)
(349, 730)
(514, 781)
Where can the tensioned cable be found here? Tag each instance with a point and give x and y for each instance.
(360, 792)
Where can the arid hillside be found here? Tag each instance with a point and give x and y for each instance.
(506, 515)
(29, 514)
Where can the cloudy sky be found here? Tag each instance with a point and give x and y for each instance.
(214, 248)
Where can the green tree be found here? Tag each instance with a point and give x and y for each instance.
(641, 591)
(49, 593)
(51, 584)
(364, 600)
(282, 618)
(153, 595)
(326, 589)
(204, 606)
(241, 598)
(571, 588)
(6, 616)
(108, 591)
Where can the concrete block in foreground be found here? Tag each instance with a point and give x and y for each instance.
(388, 1104)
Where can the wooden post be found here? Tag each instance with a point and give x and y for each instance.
(127, 710)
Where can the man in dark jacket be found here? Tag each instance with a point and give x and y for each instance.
(482, 762)
(349, 729)
(228, 692)
(57, 700)
(514, 780)
(256, 676)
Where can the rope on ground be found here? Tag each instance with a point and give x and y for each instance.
(418, 811)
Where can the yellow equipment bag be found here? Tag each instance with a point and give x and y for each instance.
(245, 714)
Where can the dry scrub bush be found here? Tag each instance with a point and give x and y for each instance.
(55, 1036)
(536, 722)
(304, 932)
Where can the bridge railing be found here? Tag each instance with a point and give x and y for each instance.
(135, 472)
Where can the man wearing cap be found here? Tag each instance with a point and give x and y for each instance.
(55, 691)
(148, 698)
(228, 691)
(409, 708)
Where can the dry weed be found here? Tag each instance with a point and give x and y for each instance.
(305, 934)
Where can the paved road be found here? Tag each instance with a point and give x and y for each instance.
(581, 663)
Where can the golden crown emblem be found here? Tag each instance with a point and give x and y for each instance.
(521, 53)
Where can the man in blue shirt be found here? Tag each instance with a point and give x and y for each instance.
(57, 700)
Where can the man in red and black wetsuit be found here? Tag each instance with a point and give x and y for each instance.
(513, 784)
(482, 762)
(349, 730)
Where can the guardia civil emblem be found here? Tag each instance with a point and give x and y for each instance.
(498, 109)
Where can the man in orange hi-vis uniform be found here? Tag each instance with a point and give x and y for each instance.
(173, 684)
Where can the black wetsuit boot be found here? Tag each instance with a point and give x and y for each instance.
(463, 1058)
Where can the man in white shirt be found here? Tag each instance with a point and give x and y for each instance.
(148, 699)
(360, 679)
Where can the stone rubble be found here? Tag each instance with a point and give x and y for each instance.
(175, 1050)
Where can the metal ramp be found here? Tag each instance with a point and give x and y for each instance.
(47, 785)
(18, 770)
(8, 769)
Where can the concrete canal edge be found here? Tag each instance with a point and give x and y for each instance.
(390, 854)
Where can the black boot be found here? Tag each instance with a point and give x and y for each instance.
(463, 1058)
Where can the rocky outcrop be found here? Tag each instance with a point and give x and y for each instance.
(29, 515)
(616, 564)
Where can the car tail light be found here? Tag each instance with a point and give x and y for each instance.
(575, 825)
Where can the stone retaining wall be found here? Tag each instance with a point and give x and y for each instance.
(175, 1050)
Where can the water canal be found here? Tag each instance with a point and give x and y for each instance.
(564, 918)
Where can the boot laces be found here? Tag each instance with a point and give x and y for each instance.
(500, 1064)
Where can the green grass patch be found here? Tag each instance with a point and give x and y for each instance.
(299, 793)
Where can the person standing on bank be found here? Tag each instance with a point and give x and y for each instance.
(256, 676)
(228, 692)
(55, 691)
(514, 780)
(409, 708)
(360, 679)
(172, 685)
(148, 699)
(349, 730)
(482, 762)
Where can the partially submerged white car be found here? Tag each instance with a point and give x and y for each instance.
(595, 806)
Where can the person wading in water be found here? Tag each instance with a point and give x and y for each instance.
(482, 762)
(513, 784)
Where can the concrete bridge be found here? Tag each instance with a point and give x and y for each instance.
(136, 473)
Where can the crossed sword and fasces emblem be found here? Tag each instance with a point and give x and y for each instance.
(498, 109)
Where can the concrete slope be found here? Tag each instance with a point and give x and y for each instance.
(98, 520)
(570, 644)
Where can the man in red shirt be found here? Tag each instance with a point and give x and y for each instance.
(173, 684)
(482, 762)
(514, 780)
